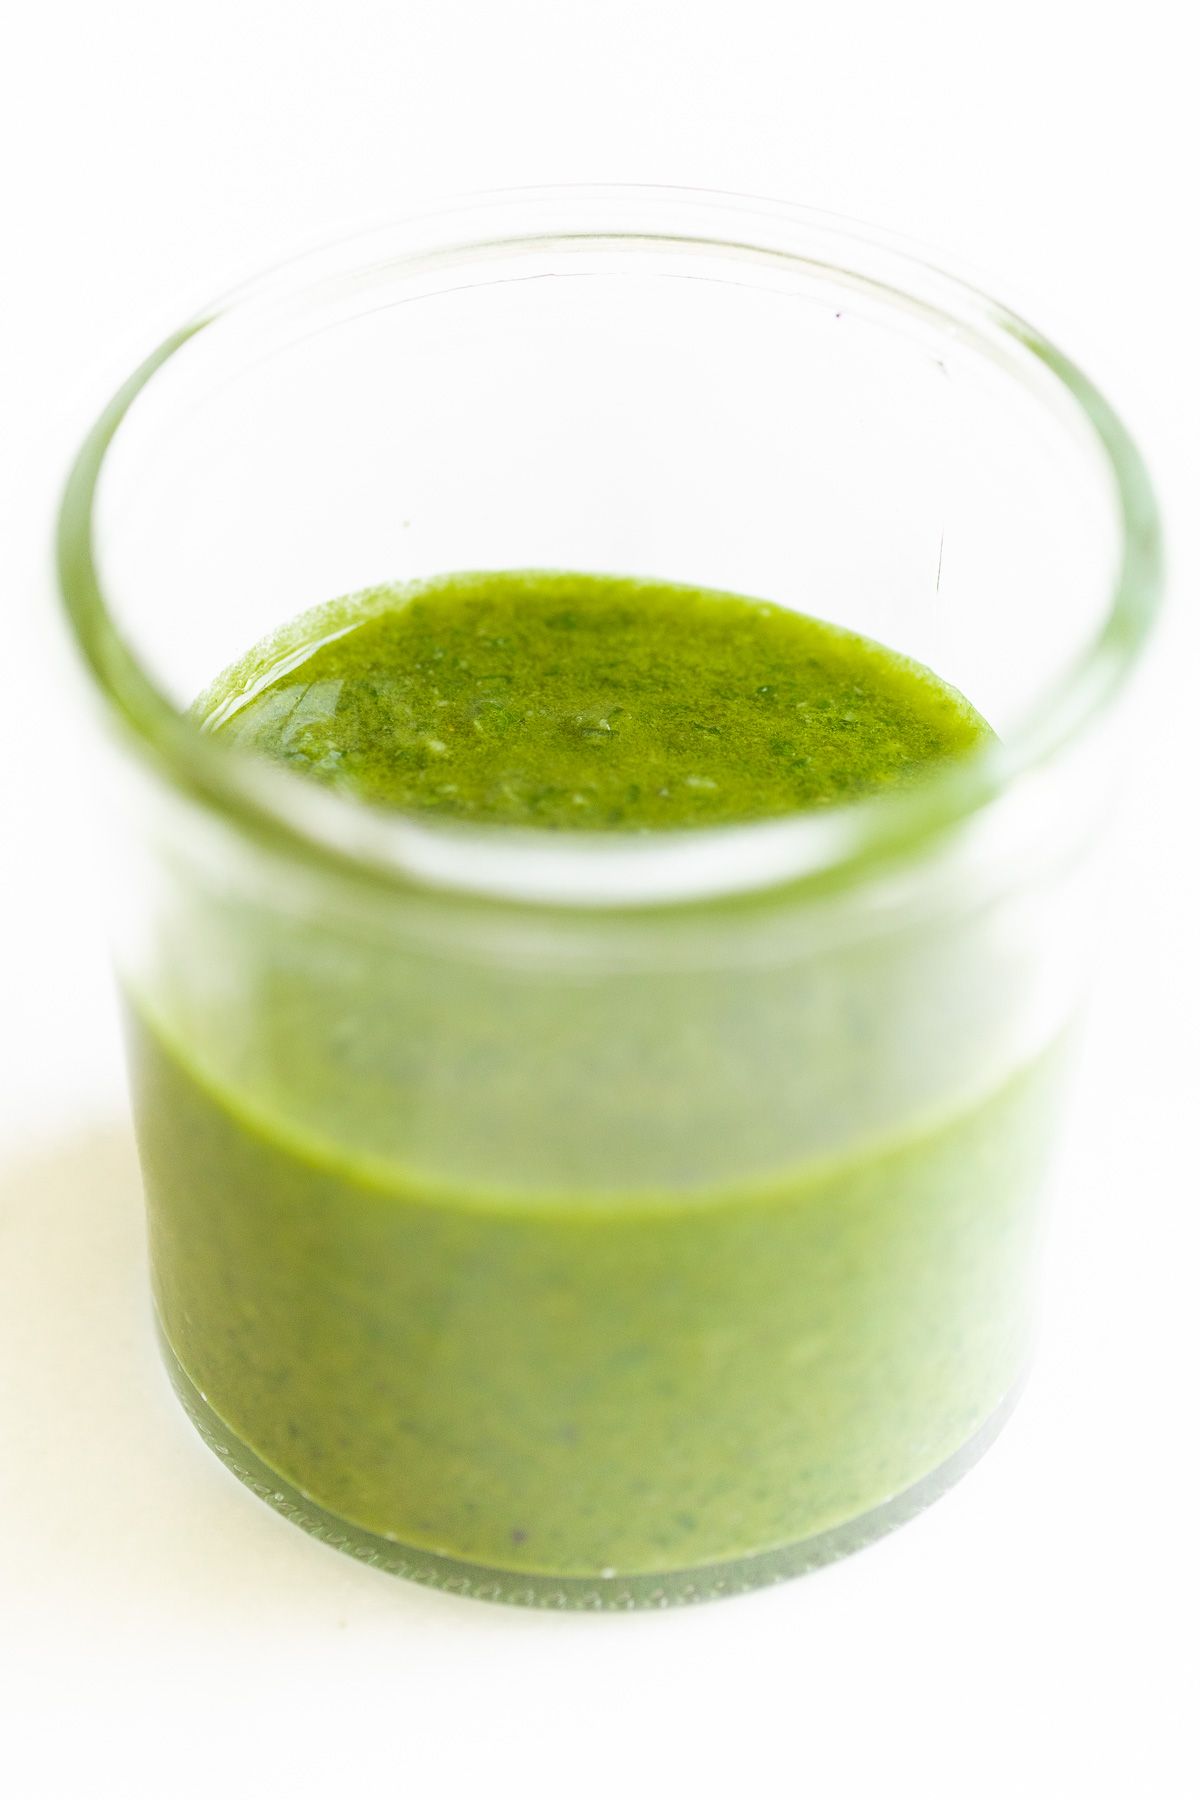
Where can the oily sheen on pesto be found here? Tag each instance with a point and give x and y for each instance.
(587, 702)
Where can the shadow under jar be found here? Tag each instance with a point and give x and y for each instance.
(611, 1219)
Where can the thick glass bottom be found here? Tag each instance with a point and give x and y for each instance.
(618, 1592)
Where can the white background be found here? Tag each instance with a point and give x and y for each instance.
(161, 1632)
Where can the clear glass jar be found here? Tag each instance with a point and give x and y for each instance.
(605, 1221)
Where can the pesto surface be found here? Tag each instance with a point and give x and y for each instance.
(586, 702)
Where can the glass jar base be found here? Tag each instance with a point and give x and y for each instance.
(619, 1592)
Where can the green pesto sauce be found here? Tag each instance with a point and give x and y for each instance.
(568, 1384)
(581, 702)
(725, 1308)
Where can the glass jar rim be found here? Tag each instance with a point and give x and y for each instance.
(831, 848)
